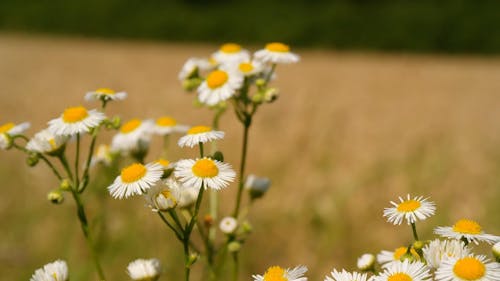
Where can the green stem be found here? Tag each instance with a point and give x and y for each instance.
(414, 229)
(201, 149)
(176, 219)
(236, 266)
(89, 160)
(166, 140)
(77, 161)
(177, 234)
(242, 169)
(64, 162)
(51, 166)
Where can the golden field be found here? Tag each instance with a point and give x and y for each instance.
(349, 133)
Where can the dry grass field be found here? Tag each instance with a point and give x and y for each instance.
(349, 133)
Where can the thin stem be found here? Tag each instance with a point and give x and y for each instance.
(65, 164)
(89, 160)
(166, 141)
(201, 149)
(236, 266)
(77, 161)
(414, 228)
(242, 170)
(189, 229)
(270, 74)
(176, 219)
(51, 166)
(177, 234)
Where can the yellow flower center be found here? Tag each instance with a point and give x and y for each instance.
(245, 67)
(216, 79)
(399, 252)
(166, 193)
(400, 276)
(467, 227)
(105, 91)
(130, 126)
(409, 206)
(275, 273)
(166, 121)
(52, 143)
(230, 48)
(469, 268)
(75, 114)
(198, 130)
(133, 173)
(6, 127)
(205, 168)
(163, 162)
(278, 47)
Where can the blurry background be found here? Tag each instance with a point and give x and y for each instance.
(359, 121)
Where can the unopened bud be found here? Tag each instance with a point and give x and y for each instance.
(32, 159)
(65, 185)
(418, 245)
(228, 225)
(271, 94)
(208, 220)
(192, 259)
(246, 227)
(260, 82)
(191, 84)
(258, 98)
(55, 196)
(234, 246)
(218, 156)
(366, 262)
(257, 186)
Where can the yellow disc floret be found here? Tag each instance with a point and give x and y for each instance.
(400, 276)
(163, 162)
(105, 91)
(278, 47)
(467, 227)
(409, 206)
(198, 130)
(230, 48)
(75, 114)
(130, 126)
(205, 168)
(469, 268)
(275, 273)
(133, 173)
(399, 252)
(245, 67)
(166, 121)
(6, 127)
(216, 79)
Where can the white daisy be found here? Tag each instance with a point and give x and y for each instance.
(346, 276)
(244, 68)
(195, 64)
(231, 53)
(366, 262)
(198, 134)
(404, 271)
(219, 86)
(55, 271)
(12, 129)
(189, 194)
(163, 196)
(105, 94)
(386, 258)
(412, 210)
(46, 142)
(228, 225)
(76, 120)
(276, 273)
(468, 230)
(135, 179)
(142, 269)
(103, 155)
(276, 53)
(132, 135)
(211, 173)
(166, 125)
(470, 268)
(437, 251)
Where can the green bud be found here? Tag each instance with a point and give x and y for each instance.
(6, 141)
(270, 95)
(65, 185)
(218, 156)
(260, 82)
(32, 159)
(418, 245)
(192, 259)
(246, 227)
(258, 98)
(116, 122)
(191, 84)
(234, 246)
(55, 196)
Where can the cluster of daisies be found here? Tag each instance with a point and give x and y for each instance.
(450, 258)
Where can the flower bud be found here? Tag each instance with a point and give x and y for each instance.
(270, 95)
(228, 225)
(218, 156)
(55, 196)
(191, 84)
(208, 221)
(258, 98)
(257, 186)
(260, 82)
(246, 227)
(193, 257)
(366, 262)
(32, 159)
(65, 185)
(5, 141)
(418, 245)
(234, 246)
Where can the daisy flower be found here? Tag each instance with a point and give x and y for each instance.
(135, 179)
(386, 258)
(204, 172)
(404, 271)
(470, 268)
(192, 65)
(198, 134)
(189, 194)
(142, 269)
(219, 86)
(231, 53)
(346, 276)
(105, 94)
(276, 53)
(76, 120)
(468, 230)
(55, 271)
(132, 135)
(276, 273)
(12, 129)
(228, 225)
(244, 68)
(166, 125)
(46, 142)
(437, 251)
(409, 209)
(366, 262)
(163, 196)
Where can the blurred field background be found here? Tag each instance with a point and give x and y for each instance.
(360, 121)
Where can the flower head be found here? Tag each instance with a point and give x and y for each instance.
(46, 142)
(346, 276)
(469, 268)
(166, 125)
(244, 68)
(54, 271)
(228, 225)
(277, 273)
(133, 134)
(205, 171)
(76, 120)
(142, 269)
(468, 230)
(12, 129)
(409, 209)
(404, 271)
(366, 262)
(193, 65)
(105, 94)
(199, 134)
(164, 195)
(135, 179)
(386, 258)
(219, 85)
(437, 251)
(231, 53)
(276, 53)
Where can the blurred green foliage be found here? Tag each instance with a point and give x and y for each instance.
(449, 26)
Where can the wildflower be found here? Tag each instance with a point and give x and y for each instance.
(366, 262)
(46, 142)
(276, 53)
(133, 135)
(244, 68)
(193, 65)
(386, 258)
(468, 230)
(228, 225)
(412, 210)
(105, 94)
(54, 271)
(166, 125)
(205, 171)
(142, 269)
(276, 273)
(76, 120)
(346, 276)
(231, 53)
(437, 251)
(404, 271)
(199, 134)
(12, 129)
(188, 196)
(103, 155)
(219, 86)
(135, 179)
(163, 196)
(469, 268)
